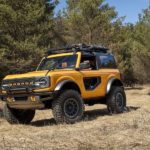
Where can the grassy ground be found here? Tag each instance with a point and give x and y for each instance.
(99, 130)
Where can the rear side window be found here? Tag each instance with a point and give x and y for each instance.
(107, 61)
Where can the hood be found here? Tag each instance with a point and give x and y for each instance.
(27, 75)
(38, 73)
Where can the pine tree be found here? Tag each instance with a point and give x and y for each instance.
(26, 28)
(89, 21)
(141, 47)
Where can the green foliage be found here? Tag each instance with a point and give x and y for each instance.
(25, 32)
(28, 28)
(141, 47)
(89, 21)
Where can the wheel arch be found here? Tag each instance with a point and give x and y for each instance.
(67, 84)
(113, 82)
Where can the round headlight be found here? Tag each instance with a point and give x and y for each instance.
(43, 81)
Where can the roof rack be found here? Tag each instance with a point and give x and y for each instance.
(78, 48)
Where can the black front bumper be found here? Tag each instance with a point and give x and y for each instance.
(34, 100)
(27, 94)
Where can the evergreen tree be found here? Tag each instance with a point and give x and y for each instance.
(59, 31)
(28, 28)
(141, 47)
(25, 32)
(89, 21)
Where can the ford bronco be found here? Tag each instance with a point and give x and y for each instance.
(65, 80)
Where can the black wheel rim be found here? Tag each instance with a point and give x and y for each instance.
(71, 108)
(119, 100)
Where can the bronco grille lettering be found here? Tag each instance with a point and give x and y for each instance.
(20, 83)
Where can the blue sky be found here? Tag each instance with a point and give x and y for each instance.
(128, 8)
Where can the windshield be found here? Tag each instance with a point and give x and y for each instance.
(61, 62)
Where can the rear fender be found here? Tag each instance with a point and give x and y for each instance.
(113, 82)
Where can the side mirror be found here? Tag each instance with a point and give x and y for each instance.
(84, 65)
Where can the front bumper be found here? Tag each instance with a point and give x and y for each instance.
(27, 100)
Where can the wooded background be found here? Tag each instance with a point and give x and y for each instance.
(28, 28)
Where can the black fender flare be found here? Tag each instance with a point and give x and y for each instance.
(60, 85)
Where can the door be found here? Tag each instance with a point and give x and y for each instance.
(91, 78)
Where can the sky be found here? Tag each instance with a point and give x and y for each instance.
(128, 8)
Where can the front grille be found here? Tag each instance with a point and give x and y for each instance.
(22, 83)
(19, 82)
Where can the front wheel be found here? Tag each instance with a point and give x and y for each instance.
(116, 100)
(16, 116)
(68, 107)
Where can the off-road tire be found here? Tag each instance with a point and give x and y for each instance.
(59, 107)
(116, 100)
(17, 116)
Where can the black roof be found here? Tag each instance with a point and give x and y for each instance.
(78, 48)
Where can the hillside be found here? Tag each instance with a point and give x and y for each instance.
(99, 130)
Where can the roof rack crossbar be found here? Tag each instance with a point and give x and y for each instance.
(79, 48)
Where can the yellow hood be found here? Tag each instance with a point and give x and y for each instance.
(39, 73)
(27, 75)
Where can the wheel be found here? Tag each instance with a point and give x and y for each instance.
(68, 107)
(16, 116)
(116, 100)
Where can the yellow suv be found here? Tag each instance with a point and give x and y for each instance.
(65, 81)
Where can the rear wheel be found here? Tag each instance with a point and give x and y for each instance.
(68, 107)
(116, 100)
(16, 116)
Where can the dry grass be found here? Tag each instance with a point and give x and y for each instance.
(98, 130)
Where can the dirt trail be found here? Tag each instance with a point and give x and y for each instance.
(99, 130)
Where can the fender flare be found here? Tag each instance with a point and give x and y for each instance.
(61, 84)
(110, 82)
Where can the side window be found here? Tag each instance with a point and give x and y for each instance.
(91, 60)
(107, 61)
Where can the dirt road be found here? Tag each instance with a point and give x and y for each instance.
(99, 130)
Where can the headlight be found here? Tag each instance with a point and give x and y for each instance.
(4, 86)
(42, 82)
